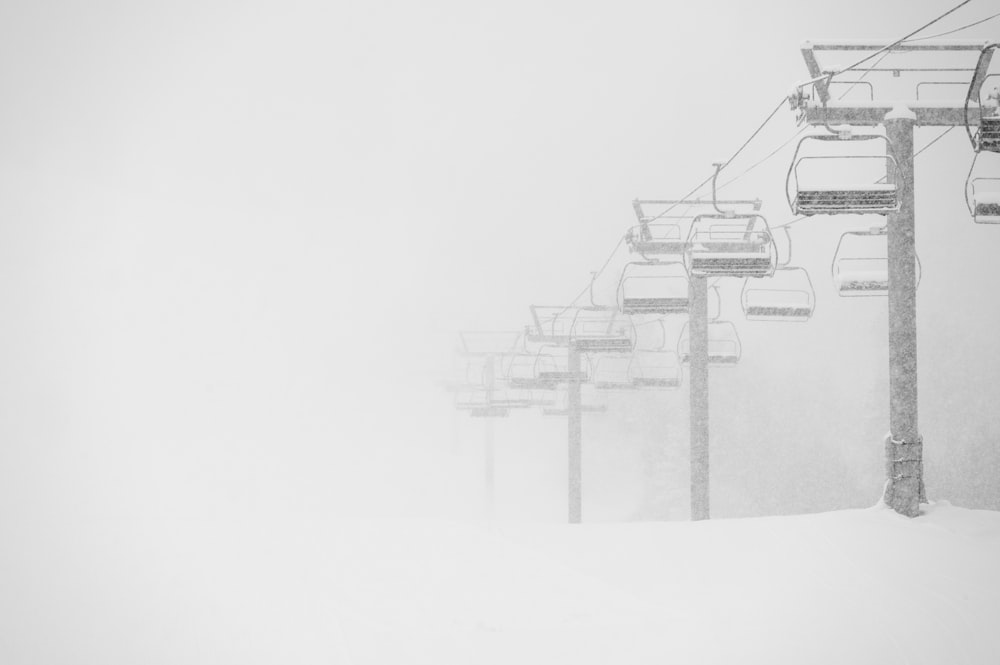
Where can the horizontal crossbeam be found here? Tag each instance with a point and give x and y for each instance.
(924, 45)
(929, 113)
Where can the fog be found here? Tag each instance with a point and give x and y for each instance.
(236, 241)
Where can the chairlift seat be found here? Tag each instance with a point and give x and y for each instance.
(851, 199)
(605, 344)
(989, 134)
(987, 210)
(873, 286)
(788, 295)
(731, 265)
(731, 247)
(724, 347)
(655, 305)
(658, 247)
(532, 383)
(560, 376)
(613, 385)
(777, 312)
(656, 382)
(715, 357)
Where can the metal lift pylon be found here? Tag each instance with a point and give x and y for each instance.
(904, 487)
(698, 356)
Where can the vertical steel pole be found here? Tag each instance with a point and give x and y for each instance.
(904, 449)
(698, 382)
(575, 437)
(489, 500)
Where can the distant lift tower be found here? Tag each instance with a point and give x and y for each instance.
(479, 394)
(580, 330)
(904, 489)
(717, 243)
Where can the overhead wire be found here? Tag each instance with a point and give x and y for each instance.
(953, 31)
(915, 154)
(594, 276)
(799, 133)
(742, 147)
(883, 52)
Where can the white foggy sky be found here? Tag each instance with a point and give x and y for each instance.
(232, 232)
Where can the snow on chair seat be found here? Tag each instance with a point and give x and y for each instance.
(788, 295)
(724, 347)
(988, 136)
(652, 287)
(656, 240)
(525, 371)
(861, 263)
(872, 198)
(842, 197)
(988, 210)
(731, 246)
(655, 369)
(985, 206)
(611, 372)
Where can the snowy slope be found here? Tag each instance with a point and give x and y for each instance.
(861, 586)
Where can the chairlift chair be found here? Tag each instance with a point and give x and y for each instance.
(731, 245)
(611, 372)
(561, 406)
(861, 263)
(724, 347)
(655, 369)
(525, 371)
(987, 135)
(652, 287)
(660, 240)
(601, 329)
(985, 205)
(842, 198)
(589, 329)
(552, 365)
(481, 403)
(787, 295)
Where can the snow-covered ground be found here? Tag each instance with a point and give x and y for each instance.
(857, 586)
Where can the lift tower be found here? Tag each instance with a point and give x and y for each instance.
(904, 489)
(650, 242)
(579, 330)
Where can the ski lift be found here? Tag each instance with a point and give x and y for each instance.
(985, 206)
(724, 348)
(843, 198)
(601, 329)
(561, 406)
(528, 371)
(651, 287)
(611, 372)
(550, 368)
(987, 136)
(861, 263)
(587, 328)
(787, 295)
(731, 245)
(656, 239)
(655, 369)
(482, 403)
